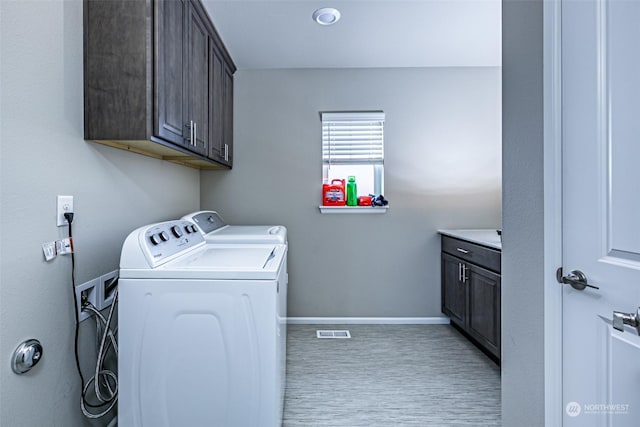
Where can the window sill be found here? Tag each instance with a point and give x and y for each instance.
(353, 209)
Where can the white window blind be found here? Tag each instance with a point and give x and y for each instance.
(355, 138)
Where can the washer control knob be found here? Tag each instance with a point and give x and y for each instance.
(155, 239)
(164, 236)
(194, 229)
(176, 231)
(187, 228)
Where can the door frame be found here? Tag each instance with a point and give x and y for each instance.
(552, 176)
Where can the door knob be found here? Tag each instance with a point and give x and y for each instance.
(631, 319)
(577, 279)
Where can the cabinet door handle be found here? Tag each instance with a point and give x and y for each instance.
(464, 273)
(463, 251)
(459, 272)
(226, 152)
(195, 134)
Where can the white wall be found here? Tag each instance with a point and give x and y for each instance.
(442, 167)
(43, 155)
(523, 214)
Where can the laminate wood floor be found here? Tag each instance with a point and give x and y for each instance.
(389, 375)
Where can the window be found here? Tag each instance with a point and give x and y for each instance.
(353, 145)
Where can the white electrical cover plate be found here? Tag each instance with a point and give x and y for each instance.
(65, 204)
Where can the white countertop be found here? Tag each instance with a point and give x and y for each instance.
(486, 237)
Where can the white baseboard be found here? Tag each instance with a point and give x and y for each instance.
(368, 320)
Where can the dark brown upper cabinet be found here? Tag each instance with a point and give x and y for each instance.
(149, 81)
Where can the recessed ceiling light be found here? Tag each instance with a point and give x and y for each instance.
(326, 16)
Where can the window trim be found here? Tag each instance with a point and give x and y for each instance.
(353, 209)
(376, 160)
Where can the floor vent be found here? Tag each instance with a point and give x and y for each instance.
(333, 334)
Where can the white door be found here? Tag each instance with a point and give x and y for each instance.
(601, 210)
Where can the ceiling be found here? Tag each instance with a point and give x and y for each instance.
(262, 34)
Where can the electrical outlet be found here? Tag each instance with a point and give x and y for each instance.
(65, 205)
(108, 286)
(88, 291)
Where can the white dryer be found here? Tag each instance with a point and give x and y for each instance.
(200, 336)
(215, 230)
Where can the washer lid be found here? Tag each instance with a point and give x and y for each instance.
(220, 261)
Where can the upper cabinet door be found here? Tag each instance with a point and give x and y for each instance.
(217, 105)
(171, 119)
(227, 145)
(221, 84)
(198, 80)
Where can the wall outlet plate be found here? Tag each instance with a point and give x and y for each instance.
(108, 286)
(65, 204)
(91, 288)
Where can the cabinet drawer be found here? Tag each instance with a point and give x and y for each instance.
(481, 255)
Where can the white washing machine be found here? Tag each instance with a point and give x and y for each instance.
(201, 341)
(215, 230)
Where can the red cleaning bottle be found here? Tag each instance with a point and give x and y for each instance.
(334, 194)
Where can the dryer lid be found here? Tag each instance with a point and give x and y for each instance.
(215, 230)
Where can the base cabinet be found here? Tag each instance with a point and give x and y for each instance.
(471, 291)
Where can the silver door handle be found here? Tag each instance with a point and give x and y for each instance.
(226, 152)
(462, 272)
(577, 279)
(463, 251)
(632, 319)
(195, 134)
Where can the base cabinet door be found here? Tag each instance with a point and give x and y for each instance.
(483, 314)
(454, 293)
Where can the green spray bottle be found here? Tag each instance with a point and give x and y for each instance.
(352, 192)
